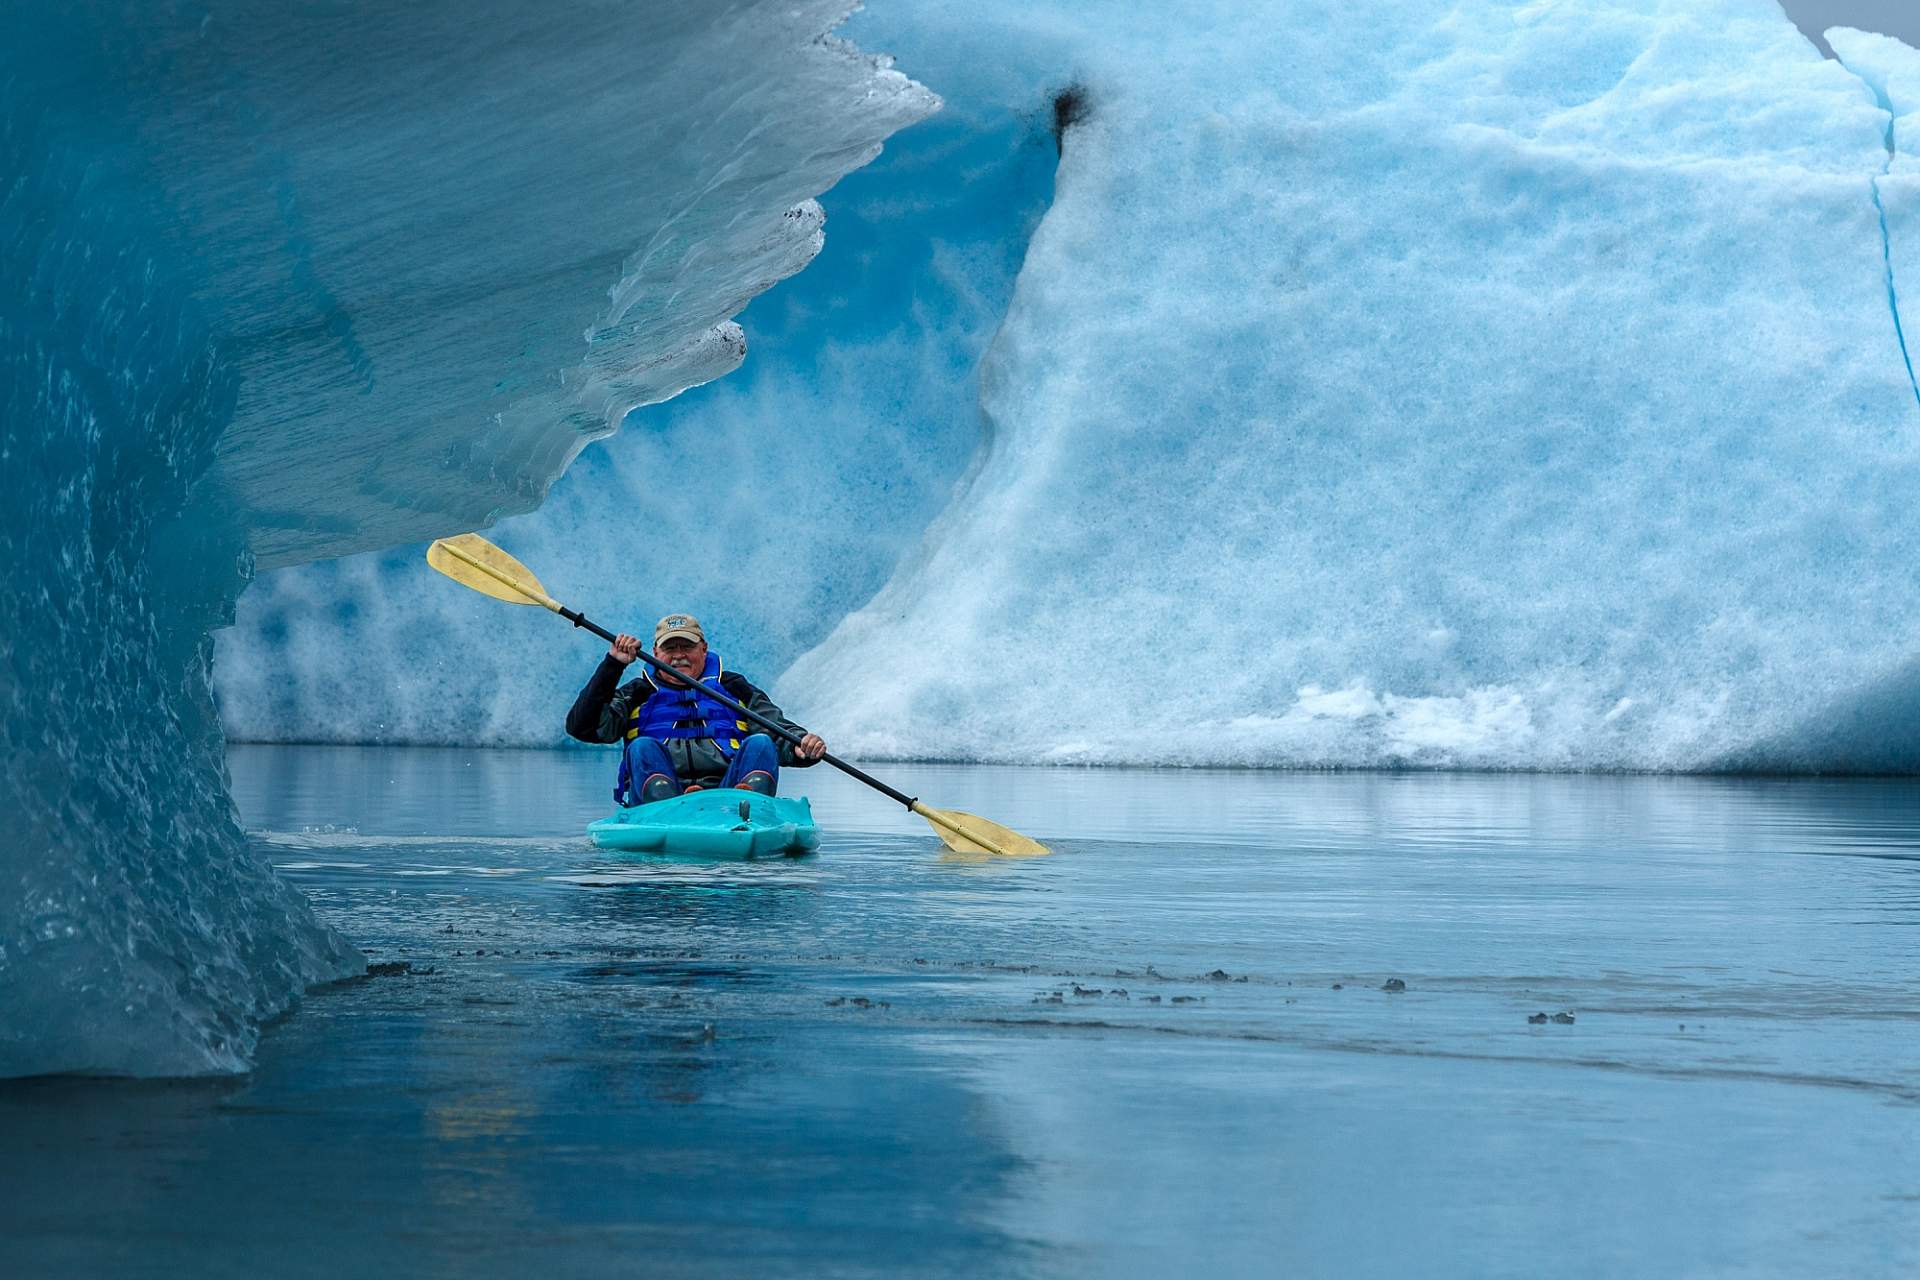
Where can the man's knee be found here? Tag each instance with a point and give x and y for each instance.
(650, 752)
(651, 771)
(756, 764)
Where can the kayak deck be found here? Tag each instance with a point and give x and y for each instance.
(717, 824)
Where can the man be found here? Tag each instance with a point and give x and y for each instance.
(677, 736)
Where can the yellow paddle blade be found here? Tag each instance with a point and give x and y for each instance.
(472, 561)
(969, 833)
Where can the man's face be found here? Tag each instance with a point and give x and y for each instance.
(688, 657)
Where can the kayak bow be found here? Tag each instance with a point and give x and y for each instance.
(723, 824)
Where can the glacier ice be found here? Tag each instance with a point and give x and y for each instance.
(1491, 384)
(1479, 382)
(770, 503)
(279, 283)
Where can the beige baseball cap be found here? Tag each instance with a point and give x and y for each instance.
(684, 625)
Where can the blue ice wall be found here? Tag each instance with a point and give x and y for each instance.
(1491, 384)
(287, 282)
(136, 932)
(770, 503)
(1494, 384)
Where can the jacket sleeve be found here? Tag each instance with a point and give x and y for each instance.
(599, 714)
(755, 700)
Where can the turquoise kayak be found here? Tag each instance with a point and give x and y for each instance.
(718, 824)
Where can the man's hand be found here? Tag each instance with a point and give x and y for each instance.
(811, 747)
(625, 649)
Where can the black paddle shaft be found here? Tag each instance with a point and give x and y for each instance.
(779, 731)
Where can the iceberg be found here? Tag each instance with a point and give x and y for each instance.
(1489, 383)
(1508, 385)
(1503, 385)
(284, 284)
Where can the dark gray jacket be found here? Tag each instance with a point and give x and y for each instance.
(600, 713)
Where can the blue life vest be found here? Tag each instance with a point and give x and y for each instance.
(689, 713)
(682, 713)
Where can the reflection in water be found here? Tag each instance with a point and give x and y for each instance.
(477, 1139)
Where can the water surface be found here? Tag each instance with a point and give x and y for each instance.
(1166, 1049)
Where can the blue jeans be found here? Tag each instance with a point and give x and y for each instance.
(648, 759)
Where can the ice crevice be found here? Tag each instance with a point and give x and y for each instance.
(1893, 289)
(1874, 74)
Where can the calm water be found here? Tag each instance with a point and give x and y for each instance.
(1165, 1050)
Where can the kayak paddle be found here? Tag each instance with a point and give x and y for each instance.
(472, 561)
